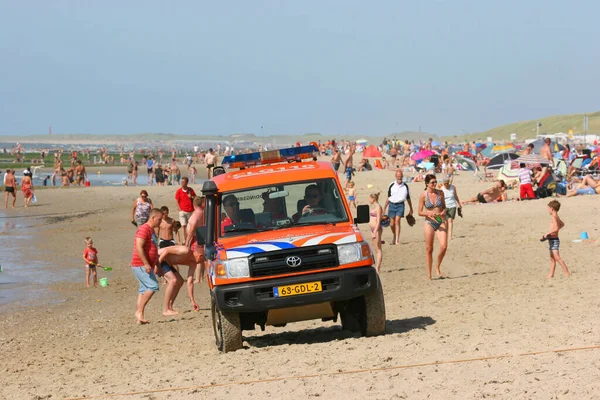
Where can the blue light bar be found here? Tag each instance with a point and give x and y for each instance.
(270, 157)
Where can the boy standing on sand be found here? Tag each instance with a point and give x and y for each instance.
(556, 224)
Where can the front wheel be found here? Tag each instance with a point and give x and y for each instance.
(373, 321)
(227, 328)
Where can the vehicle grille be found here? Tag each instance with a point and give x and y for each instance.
(274, 262)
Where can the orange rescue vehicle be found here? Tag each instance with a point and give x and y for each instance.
(282, 246)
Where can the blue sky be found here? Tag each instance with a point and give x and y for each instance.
(222, 67)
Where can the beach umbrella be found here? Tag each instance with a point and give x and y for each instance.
(372, 151)
(498, 161)
(487, 152)
(508, 173)
(466, 154)
(503, 148)
(423, 154)
(532, 160)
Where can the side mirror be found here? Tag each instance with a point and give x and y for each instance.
(201, 235)
(362, 214)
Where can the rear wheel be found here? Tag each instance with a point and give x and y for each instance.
(227, 328)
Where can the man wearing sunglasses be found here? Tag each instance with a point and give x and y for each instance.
(231, 205)
(312, 197)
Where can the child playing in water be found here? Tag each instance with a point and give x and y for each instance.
(376, 213)
(90, 256)
(556, 224)
(351, 194)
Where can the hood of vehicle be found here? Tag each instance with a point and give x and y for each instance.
(243, 246)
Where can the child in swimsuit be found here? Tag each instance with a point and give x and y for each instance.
(90, 256)
(376, 230)
(351, 194)
(556, 224)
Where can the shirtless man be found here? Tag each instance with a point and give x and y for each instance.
(80, 173)
(547, 154)
(211, 162)
(491, 195)
(196, 220)
(348, 166)
(10, 187)
(165, 230)
(336, 160)
(70, 173)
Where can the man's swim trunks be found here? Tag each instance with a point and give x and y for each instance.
(481, 198)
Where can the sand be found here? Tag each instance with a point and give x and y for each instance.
(495, 302)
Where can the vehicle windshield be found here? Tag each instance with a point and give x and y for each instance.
(280, 206)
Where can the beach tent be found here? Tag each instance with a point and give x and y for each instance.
(560, 166)
(500, 159)
(538, 144)
(487, 152)
(372, 151)
(465, 164)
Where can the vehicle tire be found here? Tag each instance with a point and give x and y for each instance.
(373, 319)
(227, 328)
(351, 314)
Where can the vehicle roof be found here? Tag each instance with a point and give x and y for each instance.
(265, 175)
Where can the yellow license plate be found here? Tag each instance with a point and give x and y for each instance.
(301, 288)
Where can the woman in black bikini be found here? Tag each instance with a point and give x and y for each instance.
(433, 207)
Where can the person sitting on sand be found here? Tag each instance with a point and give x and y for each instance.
(587, 186)
(491, 195)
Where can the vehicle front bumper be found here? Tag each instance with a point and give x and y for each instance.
(258, 296)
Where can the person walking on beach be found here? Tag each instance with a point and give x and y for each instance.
(27, 189)
(80, 173)
(211, 162)
(143, 263)
(10, 188)
(150, 168)
(184, 197)
(376, 213)
(432, 206)
(90, 257)
(336, 159)
(452, 203)
(140, 212)
(349, 166)
(398, 194)
(556, 224)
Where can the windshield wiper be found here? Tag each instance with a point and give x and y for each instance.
(242, 229)
(316, 223)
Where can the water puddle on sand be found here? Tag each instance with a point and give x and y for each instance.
(24, 282)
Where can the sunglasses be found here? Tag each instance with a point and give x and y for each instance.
(433, 182)
(232, 204)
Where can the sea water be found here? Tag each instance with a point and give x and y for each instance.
(22, 281)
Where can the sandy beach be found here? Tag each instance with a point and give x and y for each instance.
(495, 306)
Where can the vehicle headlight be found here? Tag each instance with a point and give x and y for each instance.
(353, 252)
(235, 268)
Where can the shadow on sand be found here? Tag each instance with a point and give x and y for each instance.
(329, 334)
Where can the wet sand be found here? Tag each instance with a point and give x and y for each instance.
(495, 301)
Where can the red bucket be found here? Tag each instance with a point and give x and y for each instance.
(87, 183)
